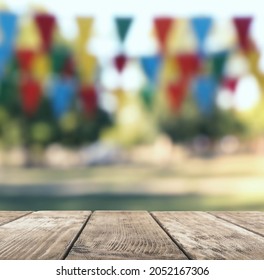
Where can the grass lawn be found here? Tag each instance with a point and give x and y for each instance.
(224, 183)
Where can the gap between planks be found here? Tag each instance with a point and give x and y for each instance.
(124, 235)
(169, 235)
(15, 215)
(41, 235)
(225, 217)
(205, 236)
(67, 251)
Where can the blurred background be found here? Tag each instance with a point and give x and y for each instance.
(112, 105)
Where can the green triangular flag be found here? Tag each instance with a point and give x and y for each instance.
(123, 24)
(148, 95)
(218, 64)
(59, 55)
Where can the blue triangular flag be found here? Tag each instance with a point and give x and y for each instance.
(151, 67)
(201, 27)
(204, 91)
(61, 94)
(8, 25)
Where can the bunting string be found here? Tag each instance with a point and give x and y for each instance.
(68, 74)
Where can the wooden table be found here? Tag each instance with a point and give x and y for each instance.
(131, 235)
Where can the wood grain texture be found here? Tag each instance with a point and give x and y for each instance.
(124, 235)
(9, 216)
(41, 235)
(203, 236)
(252, 221)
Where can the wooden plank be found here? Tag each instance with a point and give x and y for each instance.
(203, 236)
(252, 221)
(124, 235)
(9, 216)
(41, 235)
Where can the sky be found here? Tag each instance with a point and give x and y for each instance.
(69, 8)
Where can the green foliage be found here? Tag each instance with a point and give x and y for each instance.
(189, 123)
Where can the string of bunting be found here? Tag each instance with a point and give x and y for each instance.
(63, 72)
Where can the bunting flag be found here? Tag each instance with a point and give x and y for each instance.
(28, 36)
(253, 58)
(121, 97)
(204, 91)
(59, 57)
(230, 83)
(176, 92)
(30, 94)
(242, 26)
(89, 100)
(147, 95)
(61, 93)
(162, 27)
(218, 64)
(8, 25)
(189, 64)
(85, 25)
(201, 27)
(41, 66)
(174, 40)
(120, 62)
(25, 59)
(123, 24)
(168, 71)
(87, 67)
(46, 25)
(151, 67)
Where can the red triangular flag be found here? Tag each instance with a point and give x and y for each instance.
(120, 62)
(89, 99)
(230, 83)
(30, 93)
(189, 64)
(46, 24)
(162, 28)
(242, 25)
(25, 58)
(176, 93)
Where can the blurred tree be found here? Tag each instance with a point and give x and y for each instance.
(189, 122)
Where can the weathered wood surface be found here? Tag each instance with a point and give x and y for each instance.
(7, 216)
(124, 235)
(41, 235)
(131, 235)
(252, 221)
(204, 236)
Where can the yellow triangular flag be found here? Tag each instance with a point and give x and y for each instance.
(121, 97)
(85, 26)
(41, 66)
(28, 36)
(173, 36)
(253, 59)
(181, 39)
(169, 70)
(87, 64)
